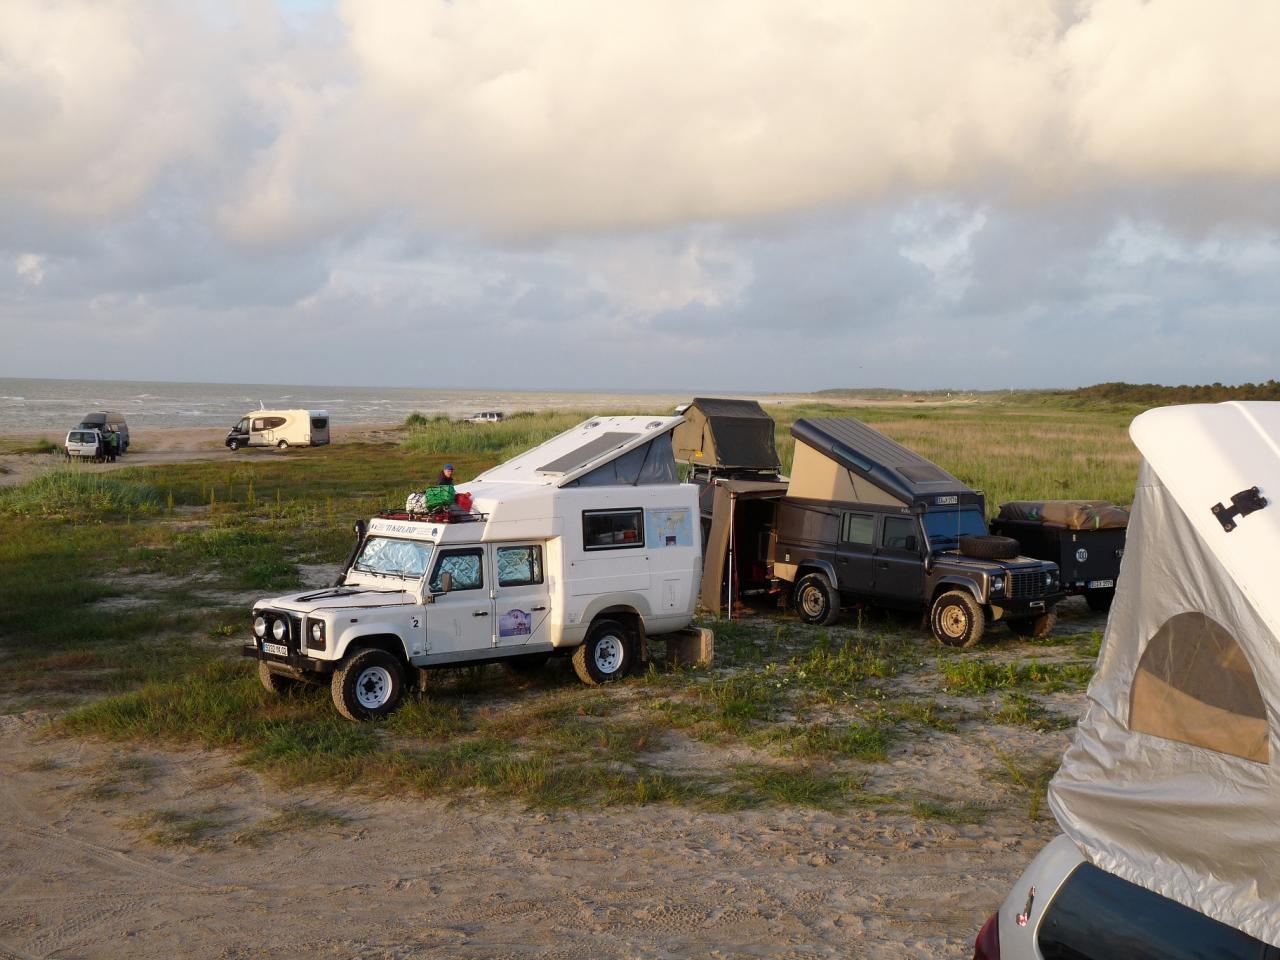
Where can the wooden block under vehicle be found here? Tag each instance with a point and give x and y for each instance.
(691, 647)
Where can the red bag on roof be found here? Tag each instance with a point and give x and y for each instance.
(463, 500)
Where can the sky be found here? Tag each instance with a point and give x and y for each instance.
(730, 195)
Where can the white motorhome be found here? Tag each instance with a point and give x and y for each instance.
(585, 546)
(280, 428)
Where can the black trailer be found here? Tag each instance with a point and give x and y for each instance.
(1085, 538)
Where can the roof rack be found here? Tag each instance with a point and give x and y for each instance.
(439, 515)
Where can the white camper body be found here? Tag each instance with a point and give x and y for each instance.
(586, 534)
(280, 428)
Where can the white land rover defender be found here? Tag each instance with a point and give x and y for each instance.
(585, 545)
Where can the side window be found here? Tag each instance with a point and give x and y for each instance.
(858, 528)
(1194, 685)
(463, 565)
(319, 423)
(259, 423)
(1098, 916)
(612, 529)
(899, 534)
(273, 422)
(519, 566)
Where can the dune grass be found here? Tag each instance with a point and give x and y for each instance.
(70, 492)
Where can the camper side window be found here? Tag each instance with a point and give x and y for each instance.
(612, 529)
(858, 528)
(273, 422)
(259, 423)
(899, 534)
(519, 566)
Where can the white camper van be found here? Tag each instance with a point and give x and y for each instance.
(280, 428)
(585, 545)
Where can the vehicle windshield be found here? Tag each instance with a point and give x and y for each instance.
(79, 437)
(241, 427)
(394, 558)
(944, 528)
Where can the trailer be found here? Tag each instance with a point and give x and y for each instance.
(1085, 538)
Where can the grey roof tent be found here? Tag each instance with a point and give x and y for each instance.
(865, 455)
(727, 435)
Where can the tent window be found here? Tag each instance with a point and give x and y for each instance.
(1194, 685)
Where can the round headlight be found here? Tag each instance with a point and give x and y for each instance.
(317, 632)
(259, 626)
(997, 584)
(279, 629)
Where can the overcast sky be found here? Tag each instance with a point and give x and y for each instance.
(721, 195)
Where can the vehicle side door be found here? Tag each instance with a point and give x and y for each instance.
(462, 619)
(855, 559)
(523, 602)
(898, 559)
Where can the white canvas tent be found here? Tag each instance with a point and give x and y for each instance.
(1172, 781)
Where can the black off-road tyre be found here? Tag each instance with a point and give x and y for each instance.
(526, 665)
(988, 546)
(1099, 601)
(606, 655)
(233, 445)
(956, 619)
(368, 685)
(276, 683)
(816, 600)
(1034, 628)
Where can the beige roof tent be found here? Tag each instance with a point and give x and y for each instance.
(720, 569)
(1173, 779)
(726, 435)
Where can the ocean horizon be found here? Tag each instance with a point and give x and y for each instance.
(30, 405)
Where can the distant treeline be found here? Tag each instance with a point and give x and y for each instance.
(1156, 394)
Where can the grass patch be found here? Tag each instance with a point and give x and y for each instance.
(294, 820)
(178, 828)
(983, 676)
(71, 492)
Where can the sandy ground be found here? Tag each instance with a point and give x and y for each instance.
(171, 446)
(403, 879)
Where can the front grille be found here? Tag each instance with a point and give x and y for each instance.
(1025, 584)
(293, 639)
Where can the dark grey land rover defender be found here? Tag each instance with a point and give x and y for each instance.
(867, 520)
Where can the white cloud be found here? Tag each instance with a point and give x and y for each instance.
(30, 267)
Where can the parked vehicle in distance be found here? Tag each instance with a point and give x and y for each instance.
(488, 416)
(1085, 538)
(1166, 795)
(83, 444)
(108, 421)
(867, 520)
(280, 428)
(583, 546)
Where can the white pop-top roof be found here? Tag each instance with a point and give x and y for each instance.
(579, 450)
(1206, 453)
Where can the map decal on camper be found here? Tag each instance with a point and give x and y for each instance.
(514, 623)
(669, 527)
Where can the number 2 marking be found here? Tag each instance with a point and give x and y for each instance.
(415, 623)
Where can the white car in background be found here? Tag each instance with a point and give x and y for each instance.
(488, 416)
(83, 444)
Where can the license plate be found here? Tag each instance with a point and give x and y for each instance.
(1099, 584)
(275, 649)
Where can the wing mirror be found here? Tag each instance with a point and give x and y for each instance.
(446, 582)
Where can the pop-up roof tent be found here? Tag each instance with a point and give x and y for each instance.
(1172, 781)
(727, 435)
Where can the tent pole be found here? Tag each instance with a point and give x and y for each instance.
(733, 506)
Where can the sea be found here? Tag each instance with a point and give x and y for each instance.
(28, 406)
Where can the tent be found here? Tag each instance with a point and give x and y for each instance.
(1171, 781)
(726, 435)
(723, 553)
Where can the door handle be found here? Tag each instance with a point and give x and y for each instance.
(536, 609)
(479, 613)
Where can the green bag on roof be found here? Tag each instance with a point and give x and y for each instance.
(440, 497)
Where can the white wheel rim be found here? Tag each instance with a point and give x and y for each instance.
(812, 601)
(608, 654)
(954, 622)
(373, 687)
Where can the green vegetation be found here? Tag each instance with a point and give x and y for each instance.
(124, 595)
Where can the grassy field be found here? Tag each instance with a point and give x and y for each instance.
(124, 597)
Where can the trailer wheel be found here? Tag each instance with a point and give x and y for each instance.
(816, 600)
(276, 683)
(1099, 601)
(605, 655)
(1034, 628)
(990, 547)
(368, 685)
(956, 619)
(282, 445)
